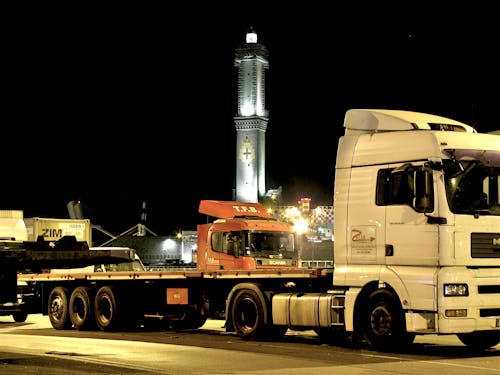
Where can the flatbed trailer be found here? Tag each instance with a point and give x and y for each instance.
(111, 301)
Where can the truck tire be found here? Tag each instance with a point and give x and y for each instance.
(479, 340)
(81, 308)
(20, 316)
(248, 315)
(192, 320)
(58, 308)
(196, 318)
(331, 334)
(383, 322)
(277, 332)
(107, 310)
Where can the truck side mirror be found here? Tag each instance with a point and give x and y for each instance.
(423, 188)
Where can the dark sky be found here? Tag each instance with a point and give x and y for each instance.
(117, 105)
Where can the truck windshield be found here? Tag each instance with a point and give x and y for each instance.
(271, 244)
(472, 187)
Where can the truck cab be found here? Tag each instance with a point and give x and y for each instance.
(417, 217)
(244, 236)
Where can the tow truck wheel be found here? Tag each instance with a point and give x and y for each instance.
(81, 308)
(480, 340)
(58, 308)
(248, 315)
(383, 322)
(106, 309)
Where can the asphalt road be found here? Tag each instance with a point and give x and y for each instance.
(34, 347)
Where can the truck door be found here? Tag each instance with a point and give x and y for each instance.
(213, 250)
(366, 221)
(226, 251)
(409, 238)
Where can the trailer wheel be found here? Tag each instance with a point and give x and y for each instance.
(81, 308)
(383, 322)
(58, 308)
(106, 309)
(248, 315)
(479, 340)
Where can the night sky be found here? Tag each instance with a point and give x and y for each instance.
(128, 104)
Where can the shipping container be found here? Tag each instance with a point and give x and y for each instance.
(52, 229)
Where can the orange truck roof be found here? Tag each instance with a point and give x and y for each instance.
(231, 209)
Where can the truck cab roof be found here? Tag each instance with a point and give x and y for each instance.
(378, 120)
(233, 209)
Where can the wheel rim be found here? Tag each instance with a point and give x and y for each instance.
(247, 314)
(381, 321)
(104, 310)
(56, 308)
(79, 308)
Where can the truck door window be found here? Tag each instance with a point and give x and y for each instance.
(216, 241)
(394, 187)
(227, 242)
(232, 243)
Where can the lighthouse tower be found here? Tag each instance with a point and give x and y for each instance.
(251, 120)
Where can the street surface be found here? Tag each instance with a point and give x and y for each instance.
(34, 347)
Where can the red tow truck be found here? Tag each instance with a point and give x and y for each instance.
(244, 256)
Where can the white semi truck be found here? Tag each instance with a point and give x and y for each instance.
(417, 234)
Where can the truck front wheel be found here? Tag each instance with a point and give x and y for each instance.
(81, 308)
(58, 308)
(383, 322)
(480, 340)
(248, 315)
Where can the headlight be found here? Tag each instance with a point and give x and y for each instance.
(456, 290)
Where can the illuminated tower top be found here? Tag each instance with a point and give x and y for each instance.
(251, 59)
(251, 36)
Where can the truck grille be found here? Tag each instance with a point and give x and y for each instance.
(488, 289)
(486, 313)
(485, 245)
